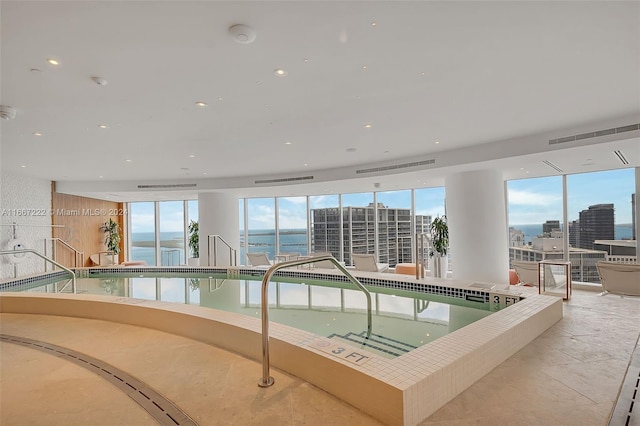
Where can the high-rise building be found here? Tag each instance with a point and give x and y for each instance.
(516, 237)
(358, 229)
(596, 223)
(550, 226)
(574, 233)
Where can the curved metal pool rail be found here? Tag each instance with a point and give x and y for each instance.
(266, 380)
(25, 251)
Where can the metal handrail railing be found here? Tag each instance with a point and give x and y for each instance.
(266, 380)
(25, 251)
(233, 253)
(77, 253)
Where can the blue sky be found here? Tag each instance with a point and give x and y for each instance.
(531, 201)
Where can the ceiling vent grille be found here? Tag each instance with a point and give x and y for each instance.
(553, 166)
(280, 180)
(621, 157)
(396, 166)
(588, 135)
(169, 186)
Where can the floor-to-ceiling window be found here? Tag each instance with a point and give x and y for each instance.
(261, 216)
(599, 211)
(395, 232)
(292, 225)
(325, 225)
(358, 224)
(171, 226)
(429, 204)
(535, 215)
(242, 258)
(143, 240)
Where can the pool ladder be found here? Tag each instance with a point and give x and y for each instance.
(267, 380)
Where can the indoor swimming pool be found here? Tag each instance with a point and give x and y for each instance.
(401, 320)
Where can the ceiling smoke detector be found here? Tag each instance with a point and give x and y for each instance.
(242, 34)
(7, 112)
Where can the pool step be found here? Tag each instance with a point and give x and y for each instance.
(376, 342)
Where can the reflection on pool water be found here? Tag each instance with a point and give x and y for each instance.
(402, 320)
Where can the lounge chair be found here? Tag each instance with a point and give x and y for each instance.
(258, 259)
(619, 278)
(367, 262)
(527, 272)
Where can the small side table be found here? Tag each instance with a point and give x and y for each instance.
(554, 278)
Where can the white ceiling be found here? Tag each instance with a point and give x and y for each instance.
(469, 85)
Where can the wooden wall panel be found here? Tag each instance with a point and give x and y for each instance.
(83, 218)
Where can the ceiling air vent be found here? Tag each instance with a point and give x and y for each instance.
(588, 135)
(169, 186)
(553, 166)
(621, 157)
(396, 166)
(280, 180)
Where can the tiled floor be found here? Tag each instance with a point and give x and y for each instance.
(568, 376)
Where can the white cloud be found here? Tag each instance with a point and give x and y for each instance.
(526, 198)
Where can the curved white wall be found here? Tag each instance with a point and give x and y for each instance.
(477, 220)
(218, 215)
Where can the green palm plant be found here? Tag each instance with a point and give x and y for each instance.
(111, 231)
(194, 239)
(439, 236)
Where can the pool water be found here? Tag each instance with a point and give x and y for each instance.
(402, 320)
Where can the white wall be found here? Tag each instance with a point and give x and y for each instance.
(26, 202)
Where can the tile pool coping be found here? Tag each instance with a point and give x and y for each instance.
(399, 391)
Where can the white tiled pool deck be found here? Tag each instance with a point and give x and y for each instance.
(569, 375)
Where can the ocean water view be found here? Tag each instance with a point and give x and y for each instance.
(263, 240)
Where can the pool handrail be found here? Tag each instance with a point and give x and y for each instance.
(25, 251)
(266, 380)
(233, 253)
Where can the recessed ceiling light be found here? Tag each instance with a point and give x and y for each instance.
(127, 160)
(287, 143)
(100, 177)
(204, 173)
(201, 104)
(374, 23)
(368, 125)
(351, 149)
(53, 61)
(37, 134)
(103, 126)
(280, 72)
(220, 98)
(305, 164)
(191, 156)
(437, 142)
(306, 59)
(422, 73)
(24, 167)
(364, 67)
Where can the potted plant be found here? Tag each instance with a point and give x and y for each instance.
(194, 244)
(440, 245)
(111, 232)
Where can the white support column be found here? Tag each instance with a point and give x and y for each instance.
(475, 205)
(218, 215)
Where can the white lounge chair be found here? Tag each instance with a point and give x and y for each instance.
(258, 259)
(367, 262)
(527, 272)
(619, 278)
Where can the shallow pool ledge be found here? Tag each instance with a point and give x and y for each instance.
(399, 391)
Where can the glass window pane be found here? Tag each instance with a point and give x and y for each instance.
(394, 227)
(172, 233)
(429, 204)
(599, 214)
(262, 226)
(535, 219)
(358, 224)
(143, 239)
(325, 225)
(172, 290)
(242, 258)
(292, 223)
